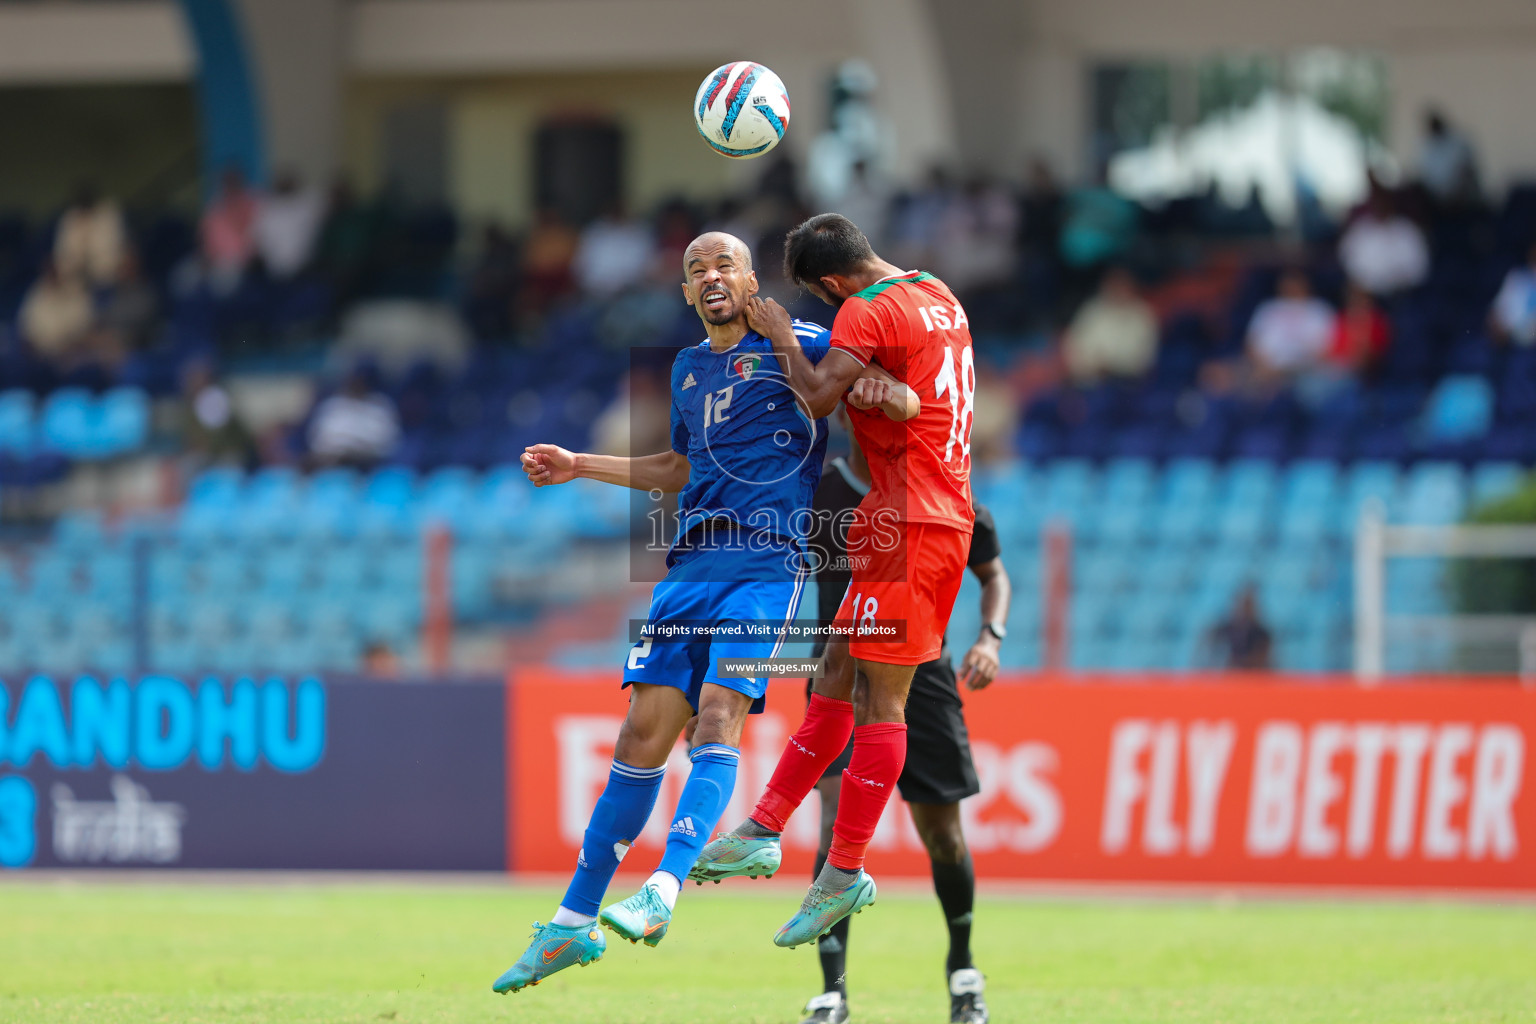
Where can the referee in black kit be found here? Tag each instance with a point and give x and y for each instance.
(939, 772)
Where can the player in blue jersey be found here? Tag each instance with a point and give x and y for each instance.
(745, 460)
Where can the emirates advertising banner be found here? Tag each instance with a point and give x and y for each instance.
(1134, 780)
(166, 772)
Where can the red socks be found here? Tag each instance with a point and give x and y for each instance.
(879, 752)
(816, 744)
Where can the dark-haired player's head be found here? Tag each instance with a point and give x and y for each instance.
(718, 278)
(823, 253)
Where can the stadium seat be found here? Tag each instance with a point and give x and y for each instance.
(121, 422)
(1492, 481)
(219, 486)
(17, 426)
(447, 498)
(393, 488)
(1311, 482)
(67, 422)
(1189, 481)
(1459, 408)
(1434, 495)
(1368, 482)
(1129, 481)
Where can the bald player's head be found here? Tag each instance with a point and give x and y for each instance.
(718, 278)
(713, 242)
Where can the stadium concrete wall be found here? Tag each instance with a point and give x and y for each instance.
(1262, 781)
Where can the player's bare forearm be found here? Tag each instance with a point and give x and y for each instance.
(664, 471)
(996, 591)
(548, 464)
(981, 663)
(887, 394)
(902, 403)
(818, 386)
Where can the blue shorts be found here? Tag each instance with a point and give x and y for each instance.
(722, 601)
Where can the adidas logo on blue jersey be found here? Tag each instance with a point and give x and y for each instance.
(689, 382)
(685, 826)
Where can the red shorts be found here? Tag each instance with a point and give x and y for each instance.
(905, 578)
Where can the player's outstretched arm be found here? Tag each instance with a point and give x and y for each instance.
(818, 386)
(548, 464)
(877, 389)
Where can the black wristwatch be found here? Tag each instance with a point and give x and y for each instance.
(997, 629)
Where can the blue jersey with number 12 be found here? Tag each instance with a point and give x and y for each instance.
(754, 455)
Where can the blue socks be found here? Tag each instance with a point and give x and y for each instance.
(698, 811)
(624, 807)
(619, 817)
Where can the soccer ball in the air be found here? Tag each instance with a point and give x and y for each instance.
(742, 110)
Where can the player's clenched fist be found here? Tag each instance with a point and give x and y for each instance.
(548, 464)
(768, 318)
(868, 393)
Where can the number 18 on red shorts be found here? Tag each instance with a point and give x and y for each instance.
(905, 578)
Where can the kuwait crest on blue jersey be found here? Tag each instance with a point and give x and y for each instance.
(745, 366)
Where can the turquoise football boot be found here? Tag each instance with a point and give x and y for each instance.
(641, 917)
(824, 908)
(554, 948)
(730, 855)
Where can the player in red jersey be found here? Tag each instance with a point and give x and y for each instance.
(907, 547)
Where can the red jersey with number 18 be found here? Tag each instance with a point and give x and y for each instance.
(912, 325)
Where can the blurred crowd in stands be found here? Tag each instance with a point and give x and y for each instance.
(1104, 327)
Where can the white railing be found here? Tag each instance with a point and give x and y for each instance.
(1376, 541)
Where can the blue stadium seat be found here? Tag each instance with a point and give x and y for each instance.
(1131, 481)
(1492, 481)
(220, 486)
(226, 571)
(1459, 408)
(1003, 486)
(1368, 482)
(1243, 522)
(1069, 486)
(67, 422)
(393, 487)
(1102, 574)
(601, 510)
(448, 496)
(1435, 495)
(121, 422)
(392, 621)
(285, 570)
(1189, 481)
(1311, 482)
(1308, 524)
(17, 422)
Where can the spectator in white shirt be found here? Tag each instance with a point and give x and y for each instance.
(287, 225)
(1114, 334)
(1288, 341)
(91, 240)
(1383, 251)
(1513, 316)
(614, 254)
(357, 426)
(1291, 332)
(56, 316)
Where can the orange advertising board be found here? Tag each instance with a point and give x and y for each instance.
(1131, 779)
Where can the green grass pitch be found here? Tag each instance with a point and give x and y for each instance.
(110, 953)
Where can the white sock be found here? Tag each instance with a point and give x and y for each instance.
(566, 918)
(666, 885)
